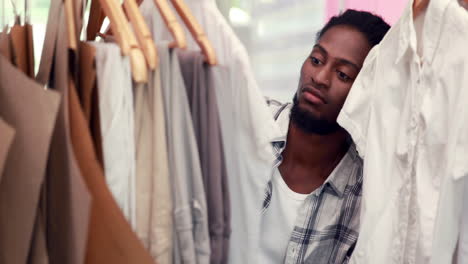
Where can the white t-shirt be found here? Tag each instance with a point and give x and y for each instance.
(278, 221)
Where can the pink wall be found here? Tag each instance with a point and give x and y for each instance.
(390, 10)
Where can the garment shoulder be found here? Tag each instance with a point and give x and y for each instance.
(276, 107)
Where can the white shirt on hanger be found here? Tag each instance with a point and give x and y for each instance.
(404, 113)
(462, 256)
(117, 125)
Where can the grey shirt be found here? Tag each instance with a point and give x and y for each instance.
(203, 104)
(191, 243)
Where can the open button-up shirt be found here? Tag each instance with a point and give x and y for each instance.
(327, 224)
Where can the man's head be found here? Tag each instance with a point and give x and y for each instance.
(330, 70)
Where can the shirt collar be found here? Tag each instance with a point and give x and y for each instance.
(431, 32)
(340, 176)
(407, 34)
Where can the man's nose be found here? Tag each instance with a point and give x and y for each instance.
(322, 77)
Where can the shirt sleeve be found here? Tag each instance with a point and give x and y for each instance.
(355, 114)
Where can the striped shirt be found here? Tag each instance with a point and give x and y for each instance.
(327, 225)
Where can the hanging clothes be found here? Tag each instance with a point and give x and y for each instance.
(67, 200)
(192, 243)
(38, 252)
(153, 180)
(5, 46)
(462, 254)
(117, 125)
(202, 100)
(111, 239)
(21, 37)
(404, 113)
(25, 106)
(8, 135)
(89, 95)
(247, 125)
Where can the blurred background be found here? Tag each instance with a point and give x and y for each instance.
(278, 34)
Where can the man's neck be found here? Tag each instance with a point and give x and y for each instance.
(308, 159)
(314, 150)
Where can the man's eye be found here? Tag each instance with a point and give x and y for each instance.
(343, 76)
(315, 61)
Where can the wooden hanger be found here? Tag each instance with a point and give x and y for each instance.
(71, 29)
(124, 37)
(196, 30)
(137, 59)
(419, 6)
(464, 3)
(142, 33)
(168, 16)
(172, 24)
(95, 20)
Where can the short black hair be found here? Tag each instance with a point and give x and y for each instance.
(372, 26)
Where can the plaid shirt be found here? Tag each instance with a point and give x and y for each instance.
(327, 224)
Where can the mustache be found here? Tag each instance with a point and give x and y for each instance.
(310, 88)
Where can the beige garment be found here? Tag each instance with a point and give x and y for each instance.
(38, 252)
(32, 112)
(22, 48)
(68, 200)
(154, 200)
(111, 239)
(6, 139)
(5, 45)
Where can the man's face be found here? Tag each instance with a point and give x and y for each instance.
(328, 73)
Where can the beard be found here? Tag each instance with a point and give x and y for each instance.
(309, 123)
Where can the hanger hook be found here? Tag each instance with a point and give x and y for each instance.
(27, 12)
(15, 12)
(3, 25)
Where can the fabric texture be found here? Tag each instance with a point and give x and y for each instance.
(322, 234)
(246, 124)
(404, 112)
(192, 243)
(25, 106)
(89, 95)
(117, 125)
(111, 238)
(5, 46)
(154, 199)
(38, 252)
(203, 105)
(462, 254)
(67, 200)
(282, 212)
(8, 135)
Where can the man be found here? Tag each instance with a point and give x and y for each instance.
(312, 203)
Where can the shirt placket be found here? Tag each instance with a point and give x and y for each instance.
(412, 226)
(294, 249)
